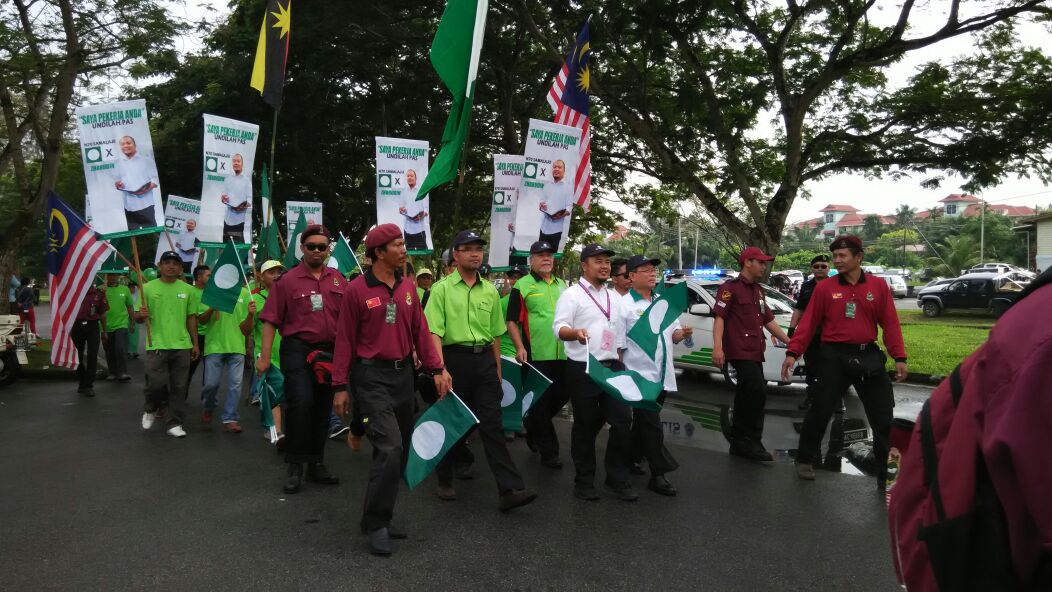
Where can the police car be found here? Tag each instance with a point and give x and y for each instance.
(701, 293)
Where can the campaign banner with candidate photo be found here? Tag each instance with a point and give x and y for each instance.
(545, 199)
(401, 166)
(507, 177)
(119, 167)
(226, 182)
(312, 213)
(182, 219)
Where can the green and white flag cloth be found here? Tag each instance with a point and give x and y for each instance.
(269, 240)
(657, 317)
(455, 57)
(626, 386)
(291, 260)
(342, 258)
(437, 430)
(521, 391)
(225, 285)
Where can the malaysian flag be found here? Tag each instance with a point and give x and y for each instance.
(569, 99)
(74, 256)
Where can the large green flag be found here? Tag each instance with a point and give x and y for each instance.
(291, 260)
(269, 246)
(342, 258)
(455, 57)
(227, 280)
(626, 386)
(657, 317)
(511, 401)
(437, 430)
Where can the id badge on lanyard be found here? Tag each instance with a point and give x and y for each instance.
(389, 316)
(315, 302)
(849, 310)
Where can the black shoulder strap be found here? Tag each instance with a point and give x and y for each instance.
(929, 453)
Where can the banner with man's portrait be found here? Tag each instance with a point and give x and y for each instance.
(312, 213)
(119, 167)
(507, 177)
(401, 166)
(226, 180)
(182, 220)
(546, 197)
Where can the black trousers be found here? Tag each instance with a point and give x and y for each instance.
(143, 218)
(475, 381)
(648, 440)
(538, 422)
(812, 360)
(384, 399)
(552, 239)
(85, 336)
(234, 231)
(835, 375)
(416, 241)
(750, 397)
(592, 408)
(308, 405)
(116, 348)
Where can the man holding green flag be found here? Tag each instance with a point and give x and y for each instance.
(455, 56)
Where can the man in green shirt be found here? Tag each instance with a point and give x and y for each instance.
(530, 313)
(118, 316)
(269, 273)
(169, 308)
(466, 323)
(201, 275)
(225, 355)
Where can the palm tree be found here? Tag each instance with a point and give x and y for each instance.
(904, 216)
(957, 254)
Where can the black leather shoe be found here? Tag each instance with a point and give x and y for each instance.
(623, 492)
(516, 498)
(396, 533)
(295, 478)
(317, 473)
(637, 469)
(659, 484)
(380, 542)
(552, 463)
(463, 473)
(750, 450)
(585, 492)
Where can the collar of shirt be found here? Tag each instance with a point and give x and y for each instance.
(843, 279)
(303, 271)
(372, 281)
(636, 296)
(551, 278)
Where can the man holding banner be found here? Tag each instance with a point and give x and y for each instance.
(237, 196)
(381, 325)
(136, 177)
(557, 201)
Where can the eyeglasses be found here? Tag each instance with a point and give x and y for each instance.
(316, 246)
(819, 267)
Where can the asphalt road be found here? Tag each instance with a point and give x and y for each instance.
(90, 501)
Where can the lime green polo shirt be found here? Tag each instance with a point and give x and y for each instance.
(224, 329)
(507, 347)
(260, 298)
(535, 313)
(169, 303)
(120, 300)
(202, 328)
(462, 315)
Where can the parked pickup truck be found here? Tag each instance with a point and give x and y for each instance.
(992, 292)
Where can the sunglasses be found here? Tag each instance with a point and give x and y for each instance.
(316, 246)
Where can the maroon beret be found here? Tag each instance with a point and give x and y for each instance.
(314, 230)
(381, 235)
(846, 241)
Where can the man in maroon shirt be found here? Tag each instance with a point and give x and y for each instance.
(85, 335)
(381, 324)
(738, 339)
(303, 307)
(848, 308)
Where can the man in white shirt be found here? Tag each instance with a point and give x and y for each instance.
(136, 178)
(557, 201)
(237, 195)
(186, 246)
(414, 227)
(588, 319)
(648, 439)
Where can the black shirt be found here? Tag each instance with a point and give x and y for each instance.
(804, 298)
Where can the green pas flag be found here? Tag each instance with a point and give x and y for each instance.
(626, 386)
(521, 391)
(294, 240)
(455, 57)
(342, 258)
(657, 317)
(225, 285)
(437, 430)
(269, 246)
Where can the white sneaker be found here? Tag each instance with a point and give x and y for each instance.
(177, 431)
(147, 420)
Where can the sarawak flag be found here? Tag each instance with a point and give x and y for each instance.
(74, 256)
(272, 51)
(568, 97)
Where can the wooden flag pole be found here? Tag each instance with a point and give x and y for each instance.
(142, 286)
(171, 245)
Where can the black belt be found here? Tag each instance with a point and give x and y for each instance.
(607, 363)
(470, 349)
(849, 347)
(406, 362)
(322, 345)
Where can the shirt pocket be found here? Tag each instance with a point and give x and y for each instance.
(300, 302)
(484, 306)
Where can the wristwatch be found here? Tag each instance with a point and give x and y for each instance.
(437, 371)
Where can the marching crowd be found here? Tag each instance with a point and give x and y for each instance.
(340, 353)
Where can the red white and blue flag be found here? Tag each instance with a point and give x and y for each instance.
(569, 99)
(74, 256)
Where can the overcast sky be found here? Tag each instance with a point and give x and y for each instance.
(870, 196)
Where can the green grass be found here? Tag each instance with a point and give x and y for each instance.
(935, 346)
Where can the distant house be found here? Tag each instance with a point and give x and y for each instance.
(969, 206)
(620, 233)
(955, 204)
(1038, 231)
(832, 215)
